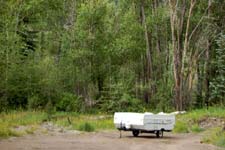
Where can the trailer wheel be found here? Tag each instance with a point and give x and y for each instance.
(159, 133)
(135, 133)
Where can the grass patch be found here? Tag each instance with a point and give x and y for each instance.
(185, 123)
(181, 127)
(5, 132)
(215, 136)
(31, 129)
(196, 128)
(77, 121)
(8, 121)
(189, 122)
(86, 127)
(197, 115)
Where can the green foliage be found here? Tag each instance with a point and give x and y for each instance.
(189, 122)
(34, 102)
(5, 131)
(128, 103)
(91, 56)
(98, 122)
(69, 102)
(198, 114)
(162, 100)
(10, 120)
(181, 127)
(215, 136)
(196, 129)
(32, 121)
(218, 83)
(125, 103)
(86, 127)
(3, 104)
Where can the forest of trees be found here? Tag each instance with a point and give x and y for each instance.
(112, 55)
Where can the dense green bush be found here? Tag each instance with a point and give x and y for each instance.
(215, 136)
(125, 103)
(181, 127)
(217, 85)
(3, 104)
(69, 102)
(196, 128)
(128, 103)
(35, 102)
(86, 127)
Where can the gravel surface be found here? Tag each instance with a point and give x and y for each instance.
(107, 140)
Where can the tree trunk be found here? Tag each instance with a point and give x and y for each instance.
(148, 50)
(184, 87)
(176, 56)
(149, 71)
(207, 59)
(199, 86)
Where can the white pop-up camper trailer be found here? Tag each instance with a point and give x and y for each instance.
(144, 122)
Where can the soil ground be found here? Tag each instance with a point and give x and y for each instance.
(105, 140)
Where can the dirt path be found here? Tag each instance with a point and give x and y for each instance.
(108, 140)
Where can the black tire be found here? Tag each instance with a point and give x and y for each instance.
(135, 133)
(159, 134)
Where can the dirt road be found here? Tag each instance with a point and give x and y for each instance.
(108, 140)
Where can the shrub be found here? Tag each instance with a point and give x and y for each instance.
(215, 136)
(5, 131)
(3, 104)
(86, 127)
(69, 102)
(34, 102)
(129, 103)
(217, 85)
(180, 127)
(195, 128)
(125, 103)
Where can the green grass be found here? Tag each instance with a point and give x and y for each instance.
(215, 136)
(77, 121)
(5, 131)
(185, 123)
(181, 127)
(31, 129)
(189, 122)
(8, 121)
(86, 127)
(22, 118)
(196, 128)
(197, 115)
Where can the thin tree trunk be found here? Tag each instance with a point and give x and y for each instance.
(148, 50)
(149, 71)
(7, 67)
(199, 86)
(177, 21)
(207, 59)
(176, 56)
(186, 42)
(184, 57)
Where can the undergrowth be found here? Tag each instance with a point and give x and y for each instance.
(76, 122)
(215, 136)
(9, 121)
(189, 122)
(185, 123)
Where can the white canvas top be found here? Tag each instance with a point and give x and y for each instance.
(129, 118)
(138, 118)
